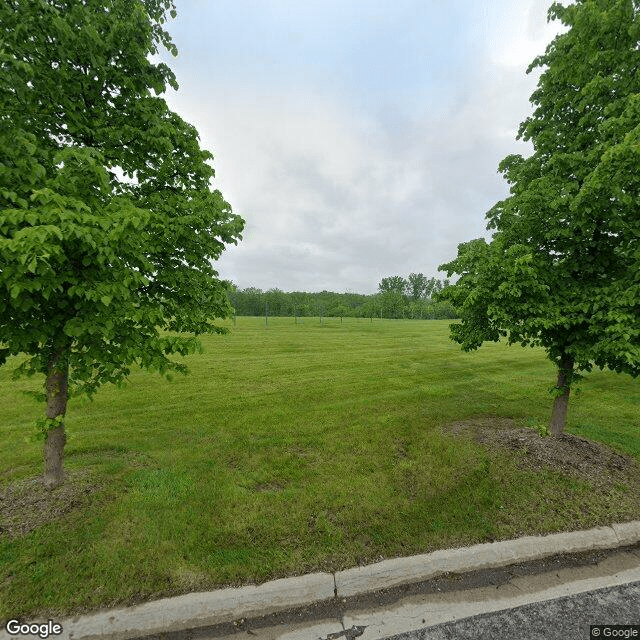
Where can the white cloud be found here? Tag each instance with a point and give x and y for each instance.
(338, 193)
(517, 32)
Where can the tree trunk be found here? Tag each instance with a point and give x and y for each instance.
(56, 387)
(561, 403)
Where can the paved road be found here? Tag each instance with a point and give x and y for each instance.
(566, 618)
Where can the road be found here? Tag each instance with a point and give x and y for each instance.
(567, 618)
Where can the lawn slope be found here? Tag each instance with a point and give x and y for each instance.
(293, 448)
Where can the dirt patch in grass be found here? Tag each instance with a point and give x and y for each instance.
(26, 504)
(572, 456)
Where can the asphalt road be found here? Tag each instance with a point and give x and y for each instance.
(567, 618)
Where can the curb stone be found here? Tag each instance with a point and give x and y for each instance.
(203, 609)
(628, 532)
(390, 573)
(226, 605)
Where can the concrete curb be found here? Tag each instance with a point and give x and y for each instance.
(203, 609)
(390, 573)
(226, 605)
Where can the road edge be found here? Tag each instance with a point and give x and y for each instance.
(226, 605)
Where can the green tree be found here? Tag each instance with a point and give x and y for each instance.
(392, 296)
(339, 311)
(563, 268)
(108, 223)
(392, 304)
(277, 302)
(416, 286)
(393, 283)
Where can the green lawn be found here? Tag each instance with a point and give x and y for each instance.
(292, 449)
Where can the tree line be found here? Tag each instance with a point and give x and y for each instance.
(397, 297)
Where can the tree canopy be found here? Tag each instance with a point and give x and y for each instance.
(562, 270)
(108, 223)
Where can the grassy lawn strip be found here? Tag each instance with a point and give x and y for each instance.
(297, 448)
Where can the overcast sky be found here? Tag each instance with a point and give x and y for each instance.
(357, 138)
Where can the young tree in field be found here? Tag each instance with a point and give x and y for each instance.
(108, 223)
(563, 268)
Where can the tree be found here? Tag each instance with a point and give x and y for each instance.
(108, 223)
(339, 311)
(436, 286)
(562, 270)
(419, 287)
(396, 284)
(416, 286)
(277, 302)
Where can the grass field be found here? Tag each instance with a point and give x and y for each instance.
(292, 449)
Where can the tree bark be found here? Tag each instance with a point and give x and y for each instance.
(57, 393)
(561, 403)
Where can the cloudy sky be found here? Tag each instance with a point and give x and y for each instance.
(357, 138)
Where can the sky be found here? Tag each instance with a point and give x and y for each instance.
(358, 139)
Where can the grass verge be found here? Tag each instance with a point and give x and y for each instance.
(296, 448)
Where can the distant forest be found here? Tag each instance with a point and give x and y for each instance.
(413, 297)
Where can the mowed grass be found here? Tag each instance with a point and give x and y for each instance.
(296, 448)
